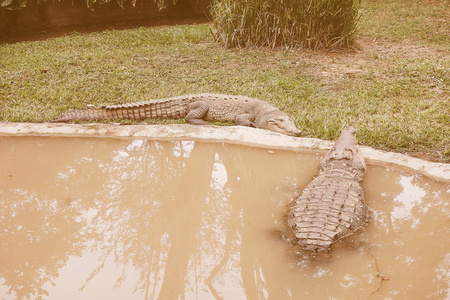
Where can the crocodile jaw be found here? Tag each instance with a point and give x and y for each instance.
(283, 124)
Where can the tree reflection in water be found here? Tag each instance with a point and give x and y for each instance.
(31, 226)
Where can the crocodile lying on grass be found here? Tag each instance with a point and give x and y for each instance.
(196, 109)
(332, 206)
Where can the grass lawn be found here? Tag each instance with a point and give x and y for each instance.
(394, 88)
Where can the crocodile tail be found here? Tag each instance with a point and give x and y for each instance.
(87, 114)
(163, 109)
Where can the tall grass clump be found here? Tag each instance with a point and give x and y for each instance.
(286, 23)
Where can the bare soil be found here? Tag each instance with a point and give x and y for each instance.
(369, 55)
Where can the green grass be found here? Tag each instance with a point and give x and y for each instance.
(399, 102)
(422, 21)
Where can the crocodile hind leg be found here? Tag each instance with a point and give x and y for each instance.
(197, 113)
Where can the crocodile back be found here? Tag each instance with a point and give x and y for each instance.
(331, 207)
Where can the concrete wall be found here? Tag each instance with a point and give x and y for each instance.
(50, 14)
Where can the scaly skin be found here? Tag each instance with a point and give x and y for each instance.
(332, 206)
(196, 109)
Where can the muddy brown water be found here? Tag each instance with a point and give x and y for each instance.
(140, 219)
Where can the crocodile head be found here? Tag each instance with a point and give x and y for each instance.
(283, 124)
(345, 154)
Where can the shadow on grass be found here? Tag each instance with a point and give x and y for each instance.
(40, 35)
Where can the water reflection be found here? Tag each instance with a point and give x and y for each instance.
(409, 231)
(85, 218)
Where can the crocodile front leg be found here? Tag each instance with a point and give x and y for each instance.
(244, 120)
(197, 113)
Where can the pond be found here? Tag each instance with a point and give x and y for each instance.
(90, 218)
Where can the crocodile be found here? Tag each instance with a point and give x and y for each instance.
(195, 109)
(332, 206)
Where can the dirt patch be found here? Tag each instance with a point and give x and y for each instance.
(371, 56)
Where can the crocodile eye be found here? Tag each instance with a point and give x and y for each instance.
(348, 150)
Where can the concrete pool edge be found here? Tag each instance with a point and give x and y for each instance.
(229, 134)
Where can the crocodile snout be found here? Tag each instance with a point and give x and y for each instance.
(295, 132)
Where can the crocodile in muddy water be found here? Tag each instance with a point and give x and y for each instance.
(195, 109)
(332, 206)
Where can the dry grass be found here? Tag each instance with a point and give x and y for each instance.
(290, 23)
